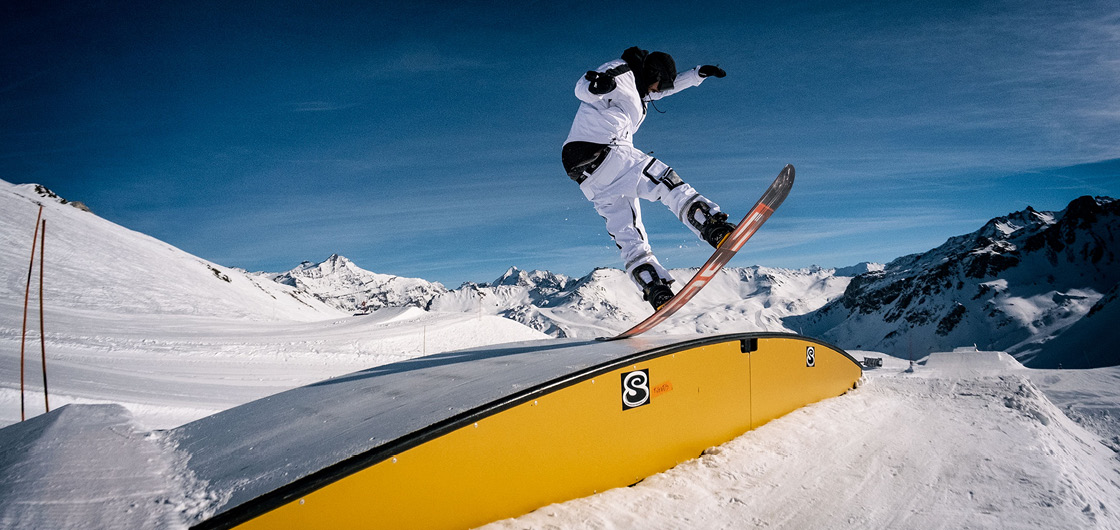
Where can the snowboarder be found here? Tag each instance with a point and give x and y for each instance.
(600, 156)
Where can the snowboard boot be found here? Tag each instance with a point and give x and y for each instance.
(655, 289)
(713, 227)
(658, 293)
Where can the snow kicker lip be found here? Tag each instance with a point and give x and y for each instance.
(578, 417)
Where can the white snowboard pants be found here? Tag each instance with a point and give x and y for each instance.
(614, 188)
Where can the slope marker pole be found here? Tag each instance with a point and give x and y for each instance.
(26, 298)
(42, 328)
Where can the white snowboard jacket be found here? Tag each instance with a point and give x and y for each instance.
(614, 117)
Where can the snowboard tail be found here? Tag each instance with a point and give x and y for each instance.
(771, 199)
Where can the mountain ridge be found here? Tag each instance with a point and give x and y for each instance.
(1014, 284)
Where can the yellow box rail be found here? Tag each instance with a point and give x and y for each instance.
(602, 427)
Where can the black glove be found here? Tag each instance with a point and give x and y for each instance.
(709, 70)
(600, 83)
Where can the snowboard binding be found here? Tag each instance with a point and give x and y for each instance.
(713, 227)
(658, 293)
(655, 289)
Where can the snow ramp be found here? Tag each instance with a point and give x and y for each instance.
(464, 438)
(970, 362)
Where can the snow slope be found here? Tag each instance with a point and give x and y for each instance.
(1084, 344)
(93, 264)
(90, 467)
(172, 337)
(168, 371)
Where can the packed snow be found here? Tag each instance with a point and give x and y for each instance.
(142, 337)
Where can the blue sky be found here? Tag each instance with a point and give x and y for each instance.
(423, 139)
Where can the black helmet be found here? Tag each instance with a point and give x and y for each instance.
(659, 67)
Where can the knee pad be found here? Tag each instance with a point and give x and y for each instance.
(701, 208)
(659, 172)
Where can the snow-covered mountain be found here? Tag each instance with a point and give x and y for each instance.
(1019, 284)
(341, 283)
(1041, 285)
(601, 303)
(605, 301)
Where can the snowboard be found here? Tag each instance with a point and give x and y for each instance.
(750, 224)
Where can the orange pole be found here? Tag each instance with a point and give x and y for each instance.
(26, 297)
(42, 329)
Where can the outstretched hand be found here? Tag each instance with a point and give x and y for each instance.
(709, 70)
